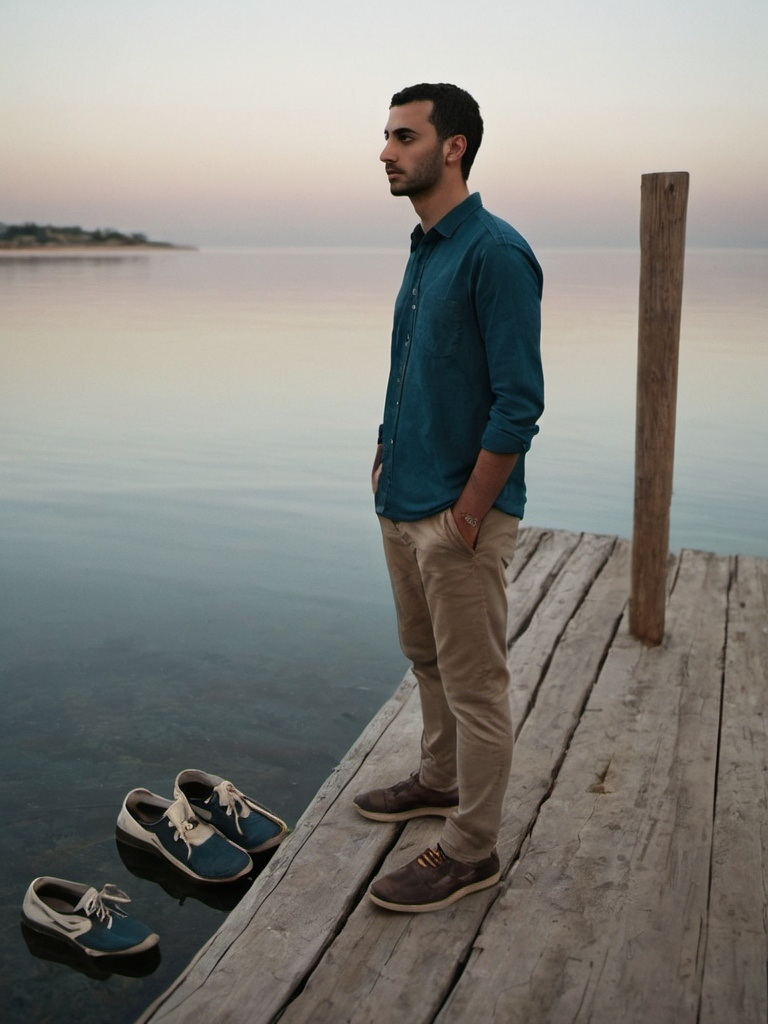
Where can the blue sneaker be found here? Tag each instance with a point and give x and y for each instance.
(172, 829)
(92, 921)
(235, 815)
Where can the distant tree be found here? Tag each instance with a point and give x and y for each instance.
(30, 233)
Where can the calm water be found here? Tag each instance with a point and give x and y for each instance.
(190, 561)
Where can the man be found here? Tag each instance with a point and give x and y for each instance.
(464, 394)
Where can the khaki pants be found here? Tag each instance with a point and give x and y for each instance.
(452, 617)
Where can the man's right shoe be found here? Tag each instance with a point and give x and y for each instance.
(172, 829)
(433, 881)
(405, 800)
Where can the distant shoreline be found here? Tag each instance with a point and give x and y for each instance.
(89, 250)
(34, 238)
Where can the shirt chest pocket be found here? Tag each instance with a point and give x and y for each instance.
(440, 331)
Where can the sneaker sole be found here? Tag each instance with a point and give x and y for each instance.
(155, 847)
(415, 812)
(423, 908)
(36, 926)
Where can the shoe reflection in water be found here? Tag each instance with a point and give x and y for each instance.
(47, 947)
(153, 868)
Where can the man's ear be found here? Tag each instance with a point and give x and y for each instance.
(455, 148)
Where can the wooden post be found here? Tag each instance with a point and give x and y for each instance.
(664, 201)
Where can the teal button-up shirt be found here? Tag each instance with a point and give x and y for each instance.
(466, 366)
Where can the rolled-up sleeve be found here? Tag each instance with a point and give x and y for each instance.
(508, 308)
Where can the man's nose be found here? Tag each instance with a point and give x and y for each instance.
(386, 155)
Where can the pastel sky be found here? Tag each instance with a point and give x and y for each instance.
(243, 122)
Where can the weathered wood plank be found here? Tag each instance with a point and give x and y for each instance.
(737, 945)
(602, 918)
(528, 539)
(533, 573)
(570, 678)
(386, 967)
(570, 570)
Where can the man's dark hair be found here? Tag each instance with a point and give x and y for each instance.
(454, 112)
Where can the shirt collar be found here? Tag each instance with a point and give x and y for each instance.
(450, 222)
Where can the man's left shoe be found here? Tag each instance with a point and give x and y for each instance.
(433, 881)
(239, 818)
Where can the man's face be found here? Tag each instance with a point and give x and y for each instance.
(413, 155)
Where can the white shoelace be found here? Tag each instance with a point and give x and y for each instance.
(232, 800)
(182, 820)
(98, 903)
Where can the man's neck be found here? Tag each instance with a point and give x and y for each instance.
(433, 206)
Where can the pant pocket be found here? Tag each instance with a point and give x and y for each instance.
(453, 535)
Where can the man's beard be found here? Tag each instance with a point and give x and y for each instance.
(422, 178)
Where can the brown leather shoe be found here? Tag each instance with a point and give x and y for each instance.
(433, 881)
(404, 800)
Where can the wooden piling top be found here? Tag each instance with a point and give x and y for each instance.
(633, 845)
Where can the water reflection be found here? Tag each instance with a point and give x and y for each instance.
(191, 565)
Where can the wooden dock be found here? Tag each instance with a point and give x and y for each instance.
(633, 846)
